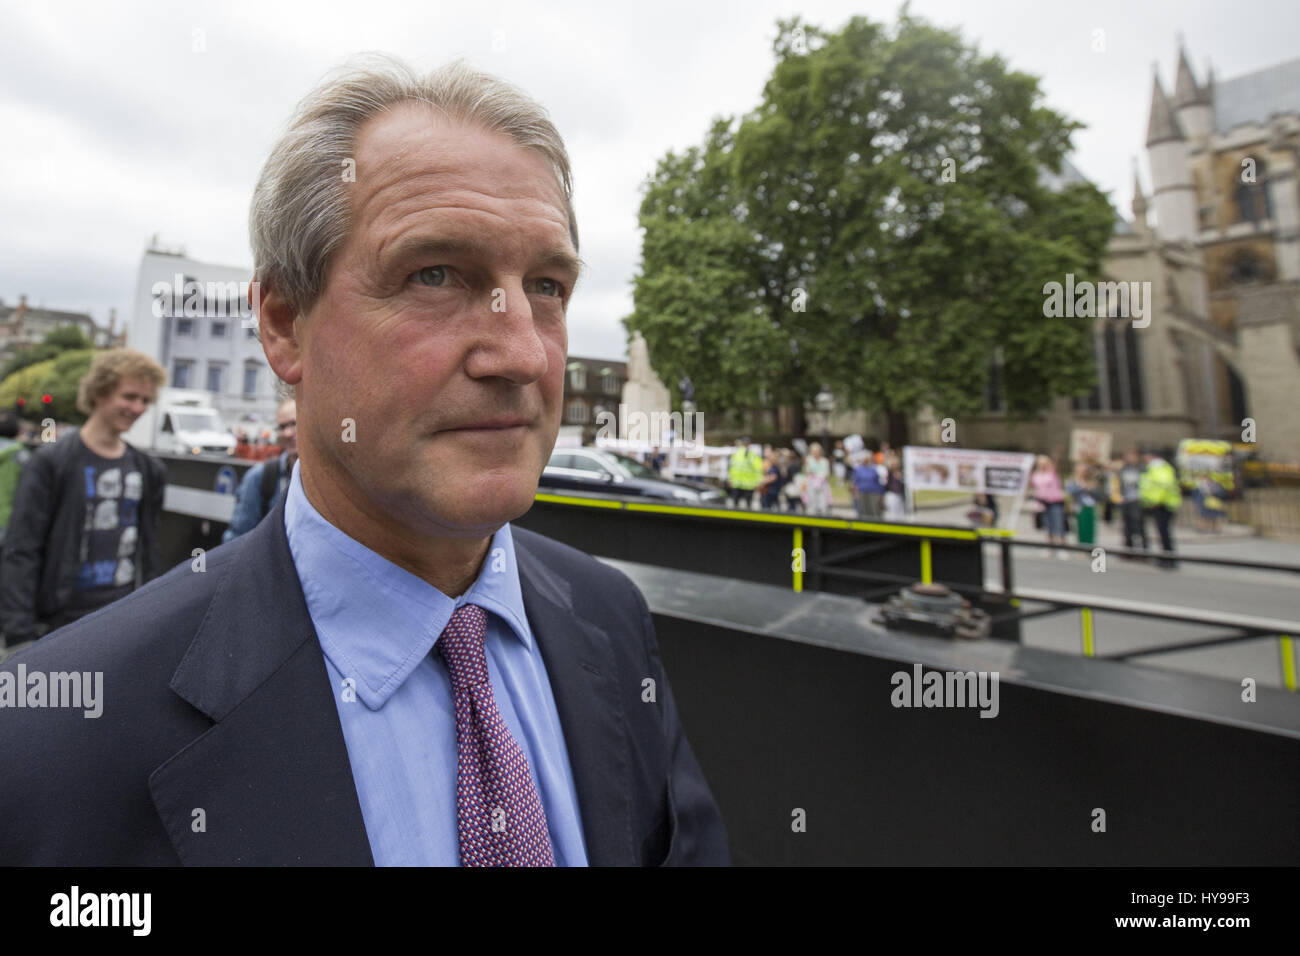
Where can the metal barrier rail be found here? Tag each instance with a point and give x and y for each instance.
(825, 564)
(1249, 627)
(199, 514)
(1273, 509)
(1007, 540)
(864, 559)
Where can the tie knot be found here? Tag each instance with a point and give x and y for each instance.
(461, 646)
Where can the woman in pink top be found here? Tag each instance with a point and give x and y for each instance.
(1049, 490)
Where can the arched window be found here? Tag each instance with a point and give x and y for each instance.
(1119, 385)
(1133, 357)
(1253, 201)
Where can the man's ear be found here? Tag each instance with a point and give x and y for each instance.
(277, 327)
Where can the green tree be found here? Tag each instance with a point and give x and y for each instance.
(57, 377)
(63, 339)
(881, 224)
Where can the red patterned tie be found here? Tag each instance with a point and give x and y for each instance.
(499, 815)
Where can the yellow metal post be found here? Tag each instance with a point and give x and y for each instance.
(927, 575)
(1085, 625)
(798, 561)
(1286, 644)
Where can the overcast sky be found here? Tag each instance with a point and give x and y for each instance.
(113, 128)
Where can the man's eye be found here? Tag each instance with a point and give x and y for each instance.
(550, 287)
(431, 275)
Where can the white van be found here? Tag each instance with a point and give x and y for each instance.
(182, 422)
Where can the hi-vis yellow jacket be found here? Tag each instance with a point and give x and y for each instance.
(1159, 486)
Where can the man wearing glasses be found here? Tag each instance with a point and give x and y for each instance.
(265, 483)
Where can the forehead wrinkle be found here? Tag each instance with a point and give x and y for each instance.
(463, 224)
(399, 206)
(391, 155)
(407, 161)
(452, 187)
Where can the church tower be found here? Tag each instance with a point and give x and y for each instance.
(1193, 103)
(1171, 175)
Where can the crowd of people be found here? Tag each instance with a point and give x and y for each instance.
(784, 480)
(1140, 487)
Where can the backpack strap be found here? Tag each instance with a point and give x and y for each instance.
(270, 483)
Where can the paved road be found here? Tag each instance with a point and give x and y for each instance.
(1268, 595)
(1247, 592)
(1241, 591)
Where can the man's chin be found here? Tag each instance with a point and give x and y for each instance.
(485, 508)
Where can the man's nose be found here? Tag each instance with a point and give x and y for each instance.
(508, 344)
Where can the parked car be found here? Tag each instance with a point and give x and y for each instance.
(593, 469)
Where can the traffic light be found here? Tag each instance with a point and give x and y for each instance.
(47, 399)
(20, 405)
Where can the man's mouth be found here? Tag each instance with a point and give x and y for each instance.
(496, 423)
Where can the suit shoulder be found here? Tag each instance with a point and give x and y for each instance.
(130, 649)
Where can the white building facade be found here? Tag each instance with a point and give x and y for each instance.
(194, 318)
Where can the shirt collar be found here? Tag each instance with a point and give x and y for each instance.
(379, 626)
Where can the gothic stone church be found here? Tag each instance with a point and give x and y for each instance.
(1223, 260)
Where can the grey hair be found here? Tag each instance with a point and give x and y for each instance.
(300, 213)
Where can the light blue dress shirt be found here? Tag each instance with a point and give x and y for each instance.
(377, 625)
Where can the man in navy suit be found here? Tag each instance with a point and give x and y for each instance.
(282, 700)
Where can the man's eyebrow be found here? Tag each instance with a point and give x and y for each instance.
(422, 247)
(563, 260)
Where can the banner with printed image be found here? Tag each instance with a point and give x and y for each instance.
(969, 470)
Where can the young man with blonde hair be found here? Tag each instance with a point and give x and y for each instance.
(84, 528)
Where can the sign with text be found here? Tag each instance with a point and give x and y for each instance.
(1089, 445)
(971, 470)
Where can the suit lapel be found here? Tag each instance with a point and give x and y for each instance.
(271, 777)
(578, 659)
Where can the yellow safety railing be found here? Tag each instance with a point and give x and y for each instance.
(1286, 646)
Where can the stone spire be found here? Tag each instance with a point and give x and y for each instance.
(1163, 125)
(1187, 92)
(1185, 88)
(1139, 206)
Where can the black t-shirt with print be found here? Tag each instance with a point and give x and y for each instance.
(110, 531)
